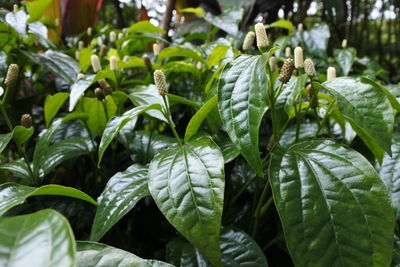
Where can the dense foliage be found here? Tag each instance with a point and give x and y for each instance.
(203, 151)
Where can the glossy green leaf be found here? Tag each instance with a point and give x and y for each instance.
(217, 54)
(22, 134)
(116, 124)
(187, 184)
(172, 52)
(316, 39)
(52, 105)
(345, 58)
(36, 8)
(198, 118)
(84, 58)
(148, 95)
(198, 11)
(18, 168)
(367, 109)
(228, 21)
(390, 173)
(389, 94)
(18, 21)
(174, 99)
(4, 140)
(43, 238)
(78, 88)
(92, 254)
(333, 206)
(145, 26)
(237, 248)
(242, 102)
(180, 67)
(282, 23)
(12, 194)
(120, 195)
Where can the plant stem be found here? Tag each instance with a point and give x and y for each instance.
(242, 189)
(167, 114)
(324, 118)
(257, 213)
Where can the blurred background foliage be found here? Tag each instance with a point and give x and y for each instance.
(371, 26)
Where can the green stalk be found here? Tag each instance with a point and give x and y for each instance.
(167, 114)
(257, 213)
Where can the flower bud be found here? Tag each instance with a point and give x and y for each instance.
(344, 43)
(261, 35)
(12, 75)
(273, 66)
(120, 36)
(331, 73)
(309, 67)
(26, 120)
(288, 51)
(113, 37)
(94, 59)
(57, 22)
(77, 54)
(103, 83)
(89, 31)
(15, 8)
(99, 94)
(298, 58)
(312, 96)
(147, 63)
(286, 70)
(103, 50)
(126, 59)
(113, 63)
(156, 49)
(81, 45)
(199, 65)
(248, 41)
(300, 27)
(80, 76)
(159, 80)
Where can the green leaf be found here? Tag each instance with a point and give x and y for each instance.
(22, 134)
(176, 51)
(242, 103)
(116, 124)
(84, 58)
(333, 206)
(43, 238)
(390, 173)
(36, 8)
(217, 54)
(237, 248)
(148, 95)
(4, 140)
(393, 101)
(198, 11)
(187, 184)
(198, 118)
(52, 105)
(92, 254)
(345, 58)
(368, 111)
(120, 195)
(228, 21)
(12, 194)
(145, 26)
(173, 99)
(18, 21)
(18, 168)
(78, 88)
(282, 23)
(316, 39)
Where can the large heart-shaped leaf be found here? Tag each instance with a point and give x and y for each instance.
(331, 202)
(92, 254)
(120, 195)
(12, 194)
(367, 109)
(39, 239)
(390, 173)
(237, 248)
(187, 184)
(242, 102)
(345, 58)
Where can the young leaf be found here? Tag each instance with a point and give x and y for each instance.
(36, 8)
(176, 51)
(78, 89)
(198, 118)
(120, 195)
(92, 254)
(187, 184)
(22, 134)
(52, 105)
(12, 194)
(4, 140)
(242, 102)
(367, 109)
(18, 20)
(331, 202)
(43, 238)
(145, 26)
(148, 95)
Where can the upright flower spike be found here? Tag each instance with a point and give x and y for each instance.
(113, 37)
(89, 31)
(99, 94)
(344, 43)
(120, 36)
(273, 66)
(300, 27)
(94, 59)
(103, 83)
(12, 75)
(81, 45)
(147, 63)
(156, 49)
(26, 120)
(103, 50)
(15, 8)
(298, 58)
(161, 84)
(248, 41)
(77, 54)
(80, 76)
(288, 51)
(261, 35)
(113, 63)
(331, 73)
(309, 67)
(126, 59)
(286, 70)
